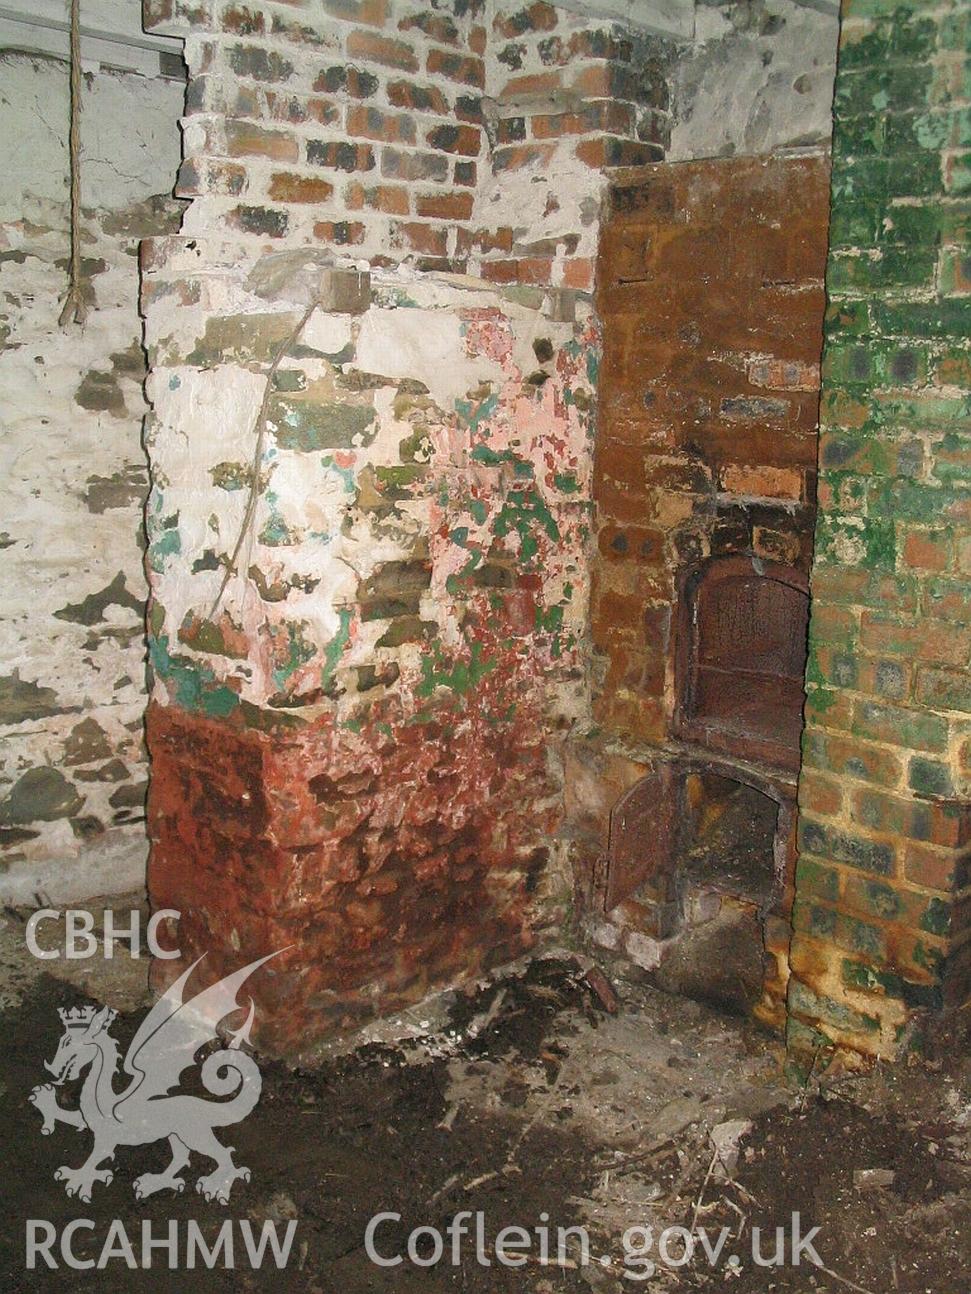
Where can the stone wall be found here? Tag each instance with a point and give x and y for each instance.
(72, 653)
(357, 742)
(883, 913)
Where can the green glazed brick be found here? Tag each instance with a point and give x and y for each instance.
(915, 225)
(867, 542)
(958, 174)
(951, 459)
(847, 318)
(890, 268)
(916, 176)
(917, 132)
(917, 319)
(816, 1006)
(819, 923)
(955, 273)
(956, 224)
(937, 918)
(881, 901)
(945, 689)
(859, 937)
(817, 880)
(871, 91)
(913, 729)
(928, 777)
(867, 979)
(856, 851)
(865, 47)
(913, 36)
(856, 224)
(863, 136)
(955, 31)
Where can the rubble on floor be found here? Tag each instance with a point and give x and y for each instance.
(528, 1101)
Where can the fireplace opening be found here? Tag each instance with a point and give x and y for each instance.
(729, 839)
(742, 659)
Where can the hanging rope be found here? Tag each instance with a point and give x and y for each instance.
(249, 516)
(74, 304)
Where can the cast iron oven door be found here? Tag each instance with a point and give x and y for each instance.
(742, 659)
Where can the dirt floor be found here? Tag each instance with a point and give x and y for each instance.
(530, 1103)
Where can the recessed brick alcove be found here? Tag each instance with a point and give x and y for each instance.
(711, 292)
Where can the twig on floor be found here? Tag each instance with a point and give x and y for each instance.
(701, 1193)
(843, 1280)
(805, 1091)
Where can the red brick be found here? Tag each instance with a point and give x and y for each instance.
(286, 187)
(398, 165)
(525, 18)
(465, 173)
(578, 273)
(607, 152)
(340, 156)
(382, 49)
(456, 67)
(615, 117)
(466, 140)
(428, 239)
(784, 375)
(519, 156)
(819, 794)
(928, 550)
(246, 140)
(263, 221)
(535, 270)
(500, 271)
(343, 233)
(372, 123)
(439, 27)
(536, 83)
(372, 12)
(445, 206)
(390, 198)
(420, 98)
(242, 20)
(227, 179)
(293, 110)
(934, 869)
(762, 482)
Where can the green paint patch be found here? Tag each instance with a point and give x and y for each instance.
(193, 683)
(335, 648)
(459, 676)
(296, 652)
(167, 542)
(472, 412)
(525, 512)
(305, 425)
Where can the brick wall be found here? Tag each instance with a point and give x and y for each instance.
(883, 913)
(710, 291)
(357, 748)
(380, 126)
